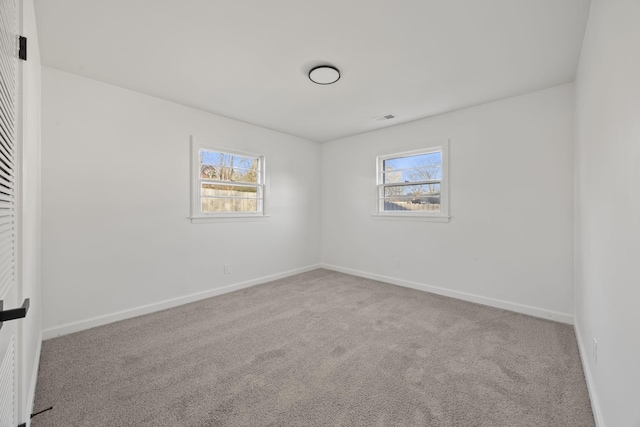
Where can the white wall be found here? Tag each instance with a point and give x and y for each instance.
(608, 209)
(30, 204)
(509, 241)
(115, 206)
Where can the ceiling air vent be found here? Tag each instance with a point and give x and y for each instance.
(384, 117)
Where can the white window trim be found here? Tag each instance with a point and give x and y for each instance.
(198, 217)
(443, 215)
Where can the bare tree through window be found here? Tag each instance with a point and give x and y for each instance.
(230, 182)
(411, 182)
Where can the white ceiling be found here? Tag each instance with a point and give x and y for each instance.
(249, 59)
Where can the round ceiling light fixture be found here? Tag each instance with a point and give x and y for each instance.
(324, 75)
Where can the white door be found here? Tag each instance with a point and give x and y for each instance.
(8, 217)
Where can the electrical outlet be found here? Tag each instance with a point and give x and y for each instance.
(227, 269)
(595, 351)
(397, 262)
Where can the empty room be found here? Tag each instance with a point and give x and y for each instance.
(338, 213)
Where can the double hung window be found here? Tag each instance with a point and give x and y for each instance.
(413, 183)
(227, 183)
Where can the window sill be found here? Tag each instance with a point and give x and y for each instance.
(228, 218)
(411, 217)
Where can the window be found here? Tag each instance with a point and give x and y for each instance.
(227, 183)
(413, 184)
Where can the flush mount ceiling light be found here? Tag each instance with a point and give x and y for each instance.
(324, 75)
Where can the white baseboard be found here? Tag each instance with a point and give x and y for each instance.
(31, 397)
(174, 302)
(584, 356)
(492, 302)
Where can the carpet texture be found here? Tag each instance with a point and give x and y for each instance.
(317, 349)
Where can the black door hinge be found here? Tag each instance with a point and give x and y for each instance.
(22, 51)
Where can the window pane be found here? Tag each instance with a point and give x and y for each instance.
(216, 204)
(426, 173)
(409, 162)
(418, 204)
(217, 190)
(413, 191)
(421, 167)
(421, 198)
(228, 167)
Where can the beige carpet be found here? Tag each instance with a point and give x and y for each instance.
(317, 349)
